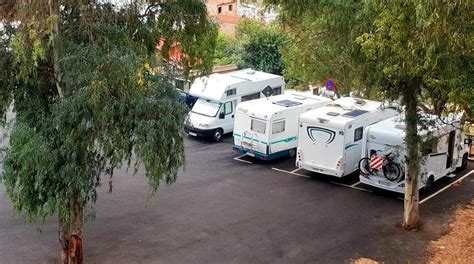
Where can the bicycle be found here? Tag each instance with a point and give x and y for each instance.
(392, 171)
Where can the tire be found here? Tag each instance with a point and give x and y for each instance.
(364, 166)
(217, 135)
(429, 184)
(464, 162)
(291, 153)
(392, 171)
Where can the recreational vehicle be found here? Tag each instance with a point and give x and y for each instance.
(213, 113)
(267, 128)
(330, 137)
(443, 149)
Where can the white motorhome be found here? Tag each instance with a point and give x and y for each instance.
(213, 113)
(267, 128)
(330, 137)
(443, 150)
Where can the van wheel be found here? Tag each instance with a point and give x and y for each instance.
(291, 153)
(429, 184)
(217, 134)
(464, 162)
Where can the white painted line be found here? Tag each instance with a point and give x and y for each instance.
(292, 173)
(241, 160)
(446, 187)
(295, 170)
(355, 184)
(350, 186)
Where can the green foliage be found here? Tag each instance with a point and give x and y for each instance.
(228, 50)
(261, 46)
(254, 46)
(116, 110)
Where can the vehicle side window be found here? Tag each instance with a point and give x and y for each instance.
(257, 126)
(230, 92)
(278, 127)
(358, 133)
(277, 90)
(250, 97)
(228, 108)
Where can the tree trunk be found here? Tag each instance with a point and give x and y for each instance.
(411, 215)
(70, 235)
(75, 231)
(63, 231)
(56, 44)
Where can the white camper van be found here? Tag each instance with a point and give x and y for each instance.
(267, 128)
(213, 113)
(330, 137)
(383, 152)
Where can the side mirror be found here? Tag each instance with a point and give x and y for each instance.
(221, 115)
(467, 141)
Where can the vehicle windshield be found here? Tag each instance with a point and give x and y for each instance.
(206, 107)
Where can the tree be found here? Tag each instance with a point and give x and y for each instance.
(83, 78)
(261, 46)
(421, 51)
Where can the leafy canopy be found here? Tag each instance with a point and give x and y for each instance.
(115, 108)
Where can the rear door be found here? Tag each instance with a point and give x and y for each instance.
(324, 147)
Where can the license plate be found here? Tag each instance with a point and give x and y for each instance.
(193, 134)
(246, 144)
(384, 183)
(251, 154)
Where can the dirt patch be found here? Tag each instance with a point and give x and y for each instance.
(364, 261)
(458, 245)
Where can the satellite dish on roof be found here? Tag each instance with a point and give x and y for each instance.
(268, 91)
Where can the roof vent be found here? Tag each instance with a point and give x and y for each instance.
(251, 72)
(332, 114)
(359, 101)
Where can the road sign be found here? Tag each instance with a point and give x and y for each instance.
(330, 85)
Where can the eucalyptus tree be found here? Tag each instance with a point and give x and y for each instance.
(90, 96)
(416, 51)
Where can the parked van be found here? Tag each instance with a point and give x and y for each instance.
(213, 113)
(267, 128)
(444, 149)
(330, 137)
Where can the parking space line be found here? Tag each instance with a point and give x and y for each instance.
(292, 173)
(241, 160)
(350, 186)
(295, 170)
(355, 184)
(446, 187)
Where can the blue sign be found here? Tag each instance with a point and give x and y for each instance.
(330, 85)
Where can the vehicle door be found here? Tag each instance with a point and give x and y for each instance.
(226, 116)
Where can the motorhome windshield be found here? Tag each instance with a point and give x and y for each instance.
(206, 107)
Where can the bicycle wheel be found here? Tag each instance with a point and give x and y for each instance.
(364, 166)
(392, 171)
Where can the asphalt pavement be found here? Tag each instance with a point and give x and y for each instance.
(230, 209)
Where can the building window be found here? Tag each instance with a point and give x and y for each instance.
(219, 9)
(232, 91)
(277, 91)
(257, 126)
(358, 134)
(278, 127)
(230, 7)
(250, 97)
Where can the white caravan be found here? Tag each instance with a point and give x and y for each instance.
(267, 128)
(213, 113)
(330, 137)
(443, 149)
